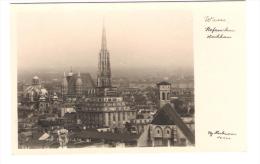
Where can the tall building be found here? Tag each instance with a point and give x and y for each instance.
(106, 108)
(104, 71)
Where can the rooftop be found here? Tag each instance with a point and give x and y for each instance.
(163, 83)
(167, 115)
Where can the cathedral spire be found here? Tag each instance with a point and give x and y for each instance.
(104, 40)
(104, 71)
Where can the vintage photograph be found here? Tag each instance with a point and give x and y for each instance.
(103, 75)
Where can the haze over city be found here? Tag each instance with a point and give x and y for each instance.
(56, 37)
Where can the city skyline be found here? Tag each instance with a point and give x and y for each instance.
(82, 110)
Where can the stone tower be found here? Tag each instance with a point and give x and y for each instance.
(164, 93)
(64, 86)
(104, 71)
(78, 85)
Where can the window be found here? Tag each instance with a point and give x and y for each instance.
(163, 96)
(123, 115)
(114, 118)
(158, 131)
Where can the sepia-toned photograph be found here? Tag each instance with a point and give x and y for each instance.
(103, 75)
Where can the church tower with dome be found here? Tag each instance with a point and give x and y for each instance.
(34, 92)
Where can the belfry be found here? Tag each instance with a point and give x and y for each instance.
(104, 71)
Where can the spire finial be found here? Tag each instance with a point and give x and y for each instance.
(70, 68)
(104, 41)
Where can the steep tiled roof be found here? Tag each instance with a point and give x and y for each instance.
(167, 115)
(86, 80)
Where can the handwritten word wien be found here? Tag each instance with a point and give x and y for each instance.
(213, 19)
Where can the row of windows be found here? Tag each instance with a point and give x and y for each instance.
(166, 132)
(112, 117)
(165, 96)
(105, 104)
(118, 115)
(142, 121)
(107, 109)
(109, 99)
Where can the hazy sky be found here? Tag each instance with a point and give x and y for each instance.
(138, 35)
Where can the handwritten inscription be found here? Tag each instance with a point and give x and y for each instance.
(221, 134)
(213, 19)
(217, 28)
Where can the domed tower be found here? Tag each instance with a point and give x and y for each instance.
(79, 85)
(35, 81)
(64, 86)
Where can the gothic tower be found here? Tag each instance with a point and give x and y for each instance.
(64, 86)
(104, 71)
(164, 93)
(79, 85)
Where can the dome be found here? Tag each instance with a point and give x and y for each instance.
(34, 91)
(35, 80)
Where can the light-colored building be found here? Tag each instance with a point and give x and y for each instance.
(105, 112)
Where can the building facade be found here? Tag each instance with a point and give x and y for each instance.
(105, 111)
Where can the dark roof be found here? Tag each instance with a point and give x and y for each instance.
(167, 115)
(163, 83)
(124, 137)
